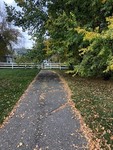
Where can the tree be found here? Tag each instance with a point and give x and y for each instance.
(8, 36)
(61, 21)
(32, 15)
(65, 40)
(36, 54)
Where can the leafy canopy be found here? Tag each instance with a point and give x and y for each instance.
(79, 32)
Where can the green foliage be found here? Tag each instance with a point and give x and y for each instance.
(32, 16)
(65, 41)
(76, 30)
(97, 57)
(36, 54)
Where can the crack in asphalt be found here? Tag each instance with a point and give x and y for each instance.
(60, 108)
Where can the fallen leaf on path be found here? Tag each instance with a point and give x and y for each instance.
(111, 137)
(19, 145)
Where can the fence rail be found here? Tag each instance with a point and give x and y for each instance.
(55, 66)
(20, 65)
(32, 65)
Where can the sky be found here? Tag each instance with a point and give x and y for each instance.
(25, 41)
(9, 1)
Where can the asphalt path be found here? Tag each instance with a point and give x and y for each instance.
(43, 119)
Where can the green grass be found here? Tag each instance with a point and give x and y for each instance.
(94, 99)
(12, 85)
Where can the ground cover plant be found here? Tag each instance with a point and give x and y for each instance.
(12, 84)
(94, 99)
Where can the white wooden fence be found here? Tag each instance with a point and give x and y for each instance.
(54, 66)
(20, 65)
(32, 65)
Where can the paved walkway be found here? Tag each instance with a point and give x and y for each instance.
(44, 119)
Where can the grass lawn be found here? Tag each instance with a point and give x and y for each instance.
(94, 99)
(12, 85)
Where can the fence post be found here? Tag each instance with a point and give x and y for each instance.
(50, 65)
(60, 66)
(12, 65)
